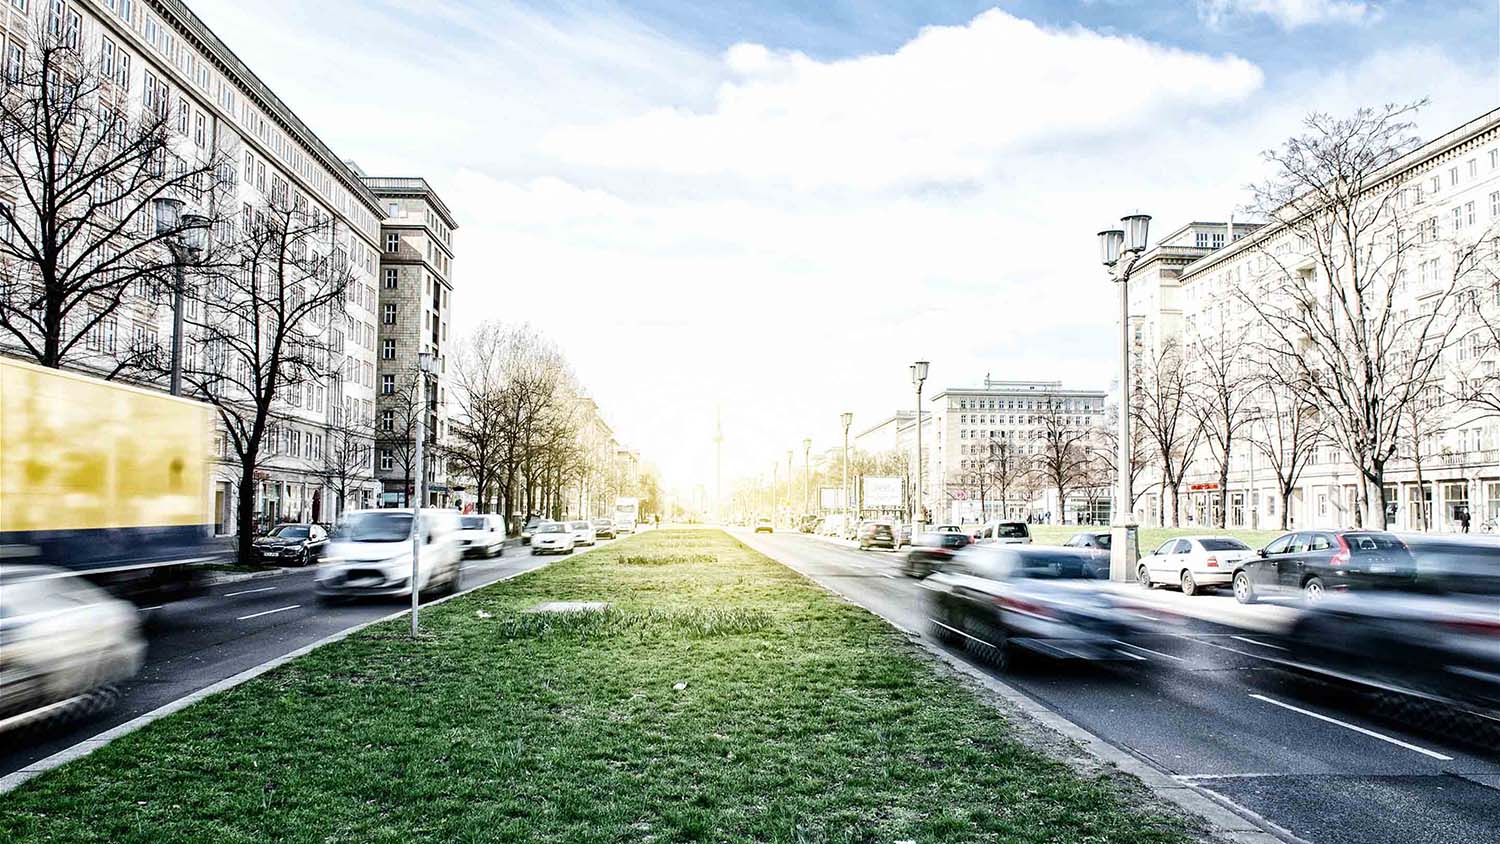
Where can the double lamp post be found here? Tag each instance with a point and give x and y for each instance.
(1119, 250)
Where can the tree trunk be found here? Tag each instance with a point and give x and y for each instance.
(1224, 495)
(1286, 501)
(1421, 494)
(1374, 494)
(245, 512)
(1175, 513)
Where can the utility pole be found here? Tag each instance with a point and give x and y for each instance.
(418, 534)
(806, 476)
(788, 479)
(847, 419)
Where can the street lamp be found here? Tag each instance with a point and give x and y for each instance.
(184, 234)
(426, 365)
(918, 376)
(1255, 416)
(1119, 250)
(788, 479)
(806, 476)
(847, 419)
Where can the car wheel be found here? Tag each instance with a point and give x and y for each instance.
(1143, 577)
(1244, 590)
(1189, 586)
(989, 644)
(1313, 590)
(940, 632)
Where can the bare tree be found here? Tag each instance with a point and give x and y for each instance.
(1163, 410)
(347, 460)
(476, 442)
(83, 171)
(1108, 454)
(1345, 231)
(396, 429)
(1222, 395)
(1423, 422)
(1063, 446)
(1292, 431)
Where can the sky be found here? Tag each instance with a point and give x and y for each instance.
(768, 210)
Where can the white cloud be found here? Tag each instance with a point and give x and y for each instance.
(1290, 14)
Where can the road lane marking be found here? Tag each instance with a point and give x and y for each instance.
(1149, 651)
(1131, 655)
(1251, 641)
(1356, 728)
(891, 576)
(249, 591)
(148, 609)
(267, 612)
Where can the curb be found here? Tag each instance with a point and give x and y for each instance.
(83, 748)
(242, 576)
(1226, 819)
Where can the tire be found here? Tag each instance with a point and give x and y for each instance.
(940, 633)
(1189, 585)
(1143, 577)
(1244, 590)
(990, 646)
(534, 552)
(1313, 590)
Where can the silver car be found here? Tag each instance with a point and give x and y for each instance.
(371, 550)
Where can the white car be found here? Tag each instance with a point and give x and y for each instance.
(1003, 533)
(552, 538)
(583, 533)
(481, 536)
(370, 555)
(1193, 562)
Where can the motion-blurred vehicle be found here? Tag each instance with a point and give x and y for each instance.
(604, 529)
(291, 544)
(369, 554)
(950, 529)
(764, 525)
(627, 514)
(583, 532)
(1096, 539)
(552, 538)
(808, 524)
(1193, 562)
(930, 549)
(63, 642)
(877, 534)
(529, 528)
(481, 535)
(1002, 533)
(1314, 563)
(106, 479)
(1002, 600)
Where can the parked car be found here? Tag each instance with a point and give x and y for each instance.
(552, 538)
(1003, 600)
(950, 529)
(529, 528)
(604, 529)
(291, 545)
(369, 554)
(929, 549)
(1096, 539)
(65, 641)
(583, 532)
(481, 535)
(763, 525)
(903, 535)
(877, 534)
(1193, 562)
(1003, 533)
(1314, 563)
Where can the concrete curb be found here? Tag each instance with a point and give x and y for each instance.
(14, 779)
(242, 576)
(1229, 821)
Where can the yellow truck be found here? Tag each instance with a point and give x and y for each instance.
(105, 479)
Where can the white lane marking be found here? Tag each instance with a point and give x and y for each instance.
(1131, 655)
(249, 591)
(267, 612)
(1251, 641)
(148, 609)
(891, 576)
(1149, 651)
(1356, 728)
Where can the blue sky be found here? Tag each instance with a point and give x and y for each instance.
(772, 208)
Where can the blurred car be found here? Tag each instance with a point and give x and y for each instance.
(1193, 562)
(903, 535)
(604, 529)
(808, 524)
(291, 544)
(1003, 533)
(877, 534)
(1314, 562)
(583, 532)
(529, 528)
(62, 639)
(1003, 600)
(929, 549)
(1096, 539)
(552, 538)
(763, 525)
(950, 529)
(481, 535)
(370, 552)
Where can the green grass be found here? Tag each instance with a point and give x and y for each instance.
(1151, 537)
(803, 719)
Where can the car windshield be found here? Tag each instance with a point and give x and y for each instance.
(472, 522)
(1224, 544)
(553, 527)
(1053, 567)
(1010, 530)
(290, 532)
(375, 527)
(953, 540)
(578, 525)
(601, 522)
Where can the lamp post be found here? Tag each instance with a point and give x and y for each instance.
(1255, 416)
(918, 376)
(426, 365)
(806, 476)
(183, 234)
(1119, 250)
(847, 419)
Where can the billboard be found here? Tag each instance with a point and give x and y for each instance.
(831, 498)
(883, 493)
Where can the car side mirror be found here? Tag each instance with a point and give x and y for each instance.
(1260, 552)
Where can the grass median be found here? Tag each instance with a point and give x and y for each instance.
(719, 697)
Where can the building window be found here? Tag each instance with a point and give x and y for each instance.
(387, 460)
(390, 275)
(387, 349)
(1469, 213)
(387, 420)
(387, 385)
(392, 242)
(388, 314)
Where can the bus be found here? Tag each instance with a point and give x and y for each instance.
(627, 514)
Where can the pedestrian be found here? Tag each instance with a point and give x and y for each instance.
(1463, 518)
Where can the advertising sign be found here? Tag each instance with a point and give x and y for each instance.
(883, 493)
(831, 498)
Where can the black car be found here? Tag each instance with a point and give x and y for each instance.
(1313, 563)
(931, 549)
(1096, 539)
(877, 535)
(291, 544)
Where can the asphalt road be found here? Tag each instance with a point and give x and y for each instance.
(1205, 707)
(195, 643)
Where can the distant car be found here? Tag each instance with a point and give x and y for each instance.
(291, 545)
(929, 549)
(604, 529)
(529, 528)
(903, 535)
(481, 535)
(1312, 563)
(1097, 539)
(1002, 533)
(1194, 562)
(64, 640)
(583, 532)
(764, 525)
(877, 534)
(370, 555)
(552, 538)
(950, 529)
